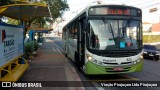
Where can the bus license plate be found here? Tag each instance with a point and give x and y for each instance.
(118, 69)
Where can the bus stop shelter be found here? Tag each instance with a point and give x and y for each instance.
(12, 69)
(32, 32)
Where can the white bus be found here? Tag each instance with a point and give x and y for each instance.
(105, 39)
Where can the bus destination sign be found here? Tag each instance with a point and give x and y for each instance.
(113, 11)
(117, 11)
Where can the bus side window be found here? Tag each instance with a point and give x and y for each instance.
(75, 36)
(76, 30)
(70, 30)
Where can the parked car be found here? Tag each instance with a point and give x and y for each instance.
(151, 51)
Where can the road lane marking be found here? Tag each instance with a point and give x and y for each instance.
(55, 45)
(58, 49)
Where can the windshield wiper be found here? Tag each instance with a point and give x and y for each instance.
(110, 26)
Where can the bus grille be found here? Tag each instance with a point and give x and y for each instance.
(120, 54)
(123, 63)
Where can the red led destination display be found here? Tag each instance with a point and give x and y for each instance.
(114, 11)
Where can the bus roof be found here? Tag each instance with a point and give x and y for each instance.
(24, 11)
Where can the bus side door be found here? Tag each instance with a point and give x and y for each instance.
(81, 41)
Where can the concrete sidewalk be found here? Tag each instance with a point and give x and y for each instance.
(50, 65)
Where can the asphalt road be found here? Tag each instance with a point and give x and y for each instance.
(151, 72)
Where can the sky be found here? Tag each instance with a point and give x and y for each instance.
(145, 5)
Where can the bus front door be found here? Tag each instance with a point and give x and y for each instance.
(81, 45)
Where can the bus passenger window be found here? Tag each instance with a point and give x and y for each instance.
(75, 34)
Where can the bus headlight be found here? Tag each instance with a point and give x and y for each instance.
(134, 62)
(137, 61)
(89, 57)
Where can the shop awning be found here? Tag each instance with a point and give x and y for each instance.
(25, 11)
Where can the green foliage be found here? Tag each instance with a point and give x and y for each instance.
(40, 22)
(151, 38)
(36, 46)
(13, 21)
(30, 47)
(57, 7)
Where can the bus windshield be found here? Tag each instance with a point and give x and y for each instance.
(114, 34)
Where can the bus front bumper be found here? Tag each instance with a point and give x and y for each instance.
(93, 69)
